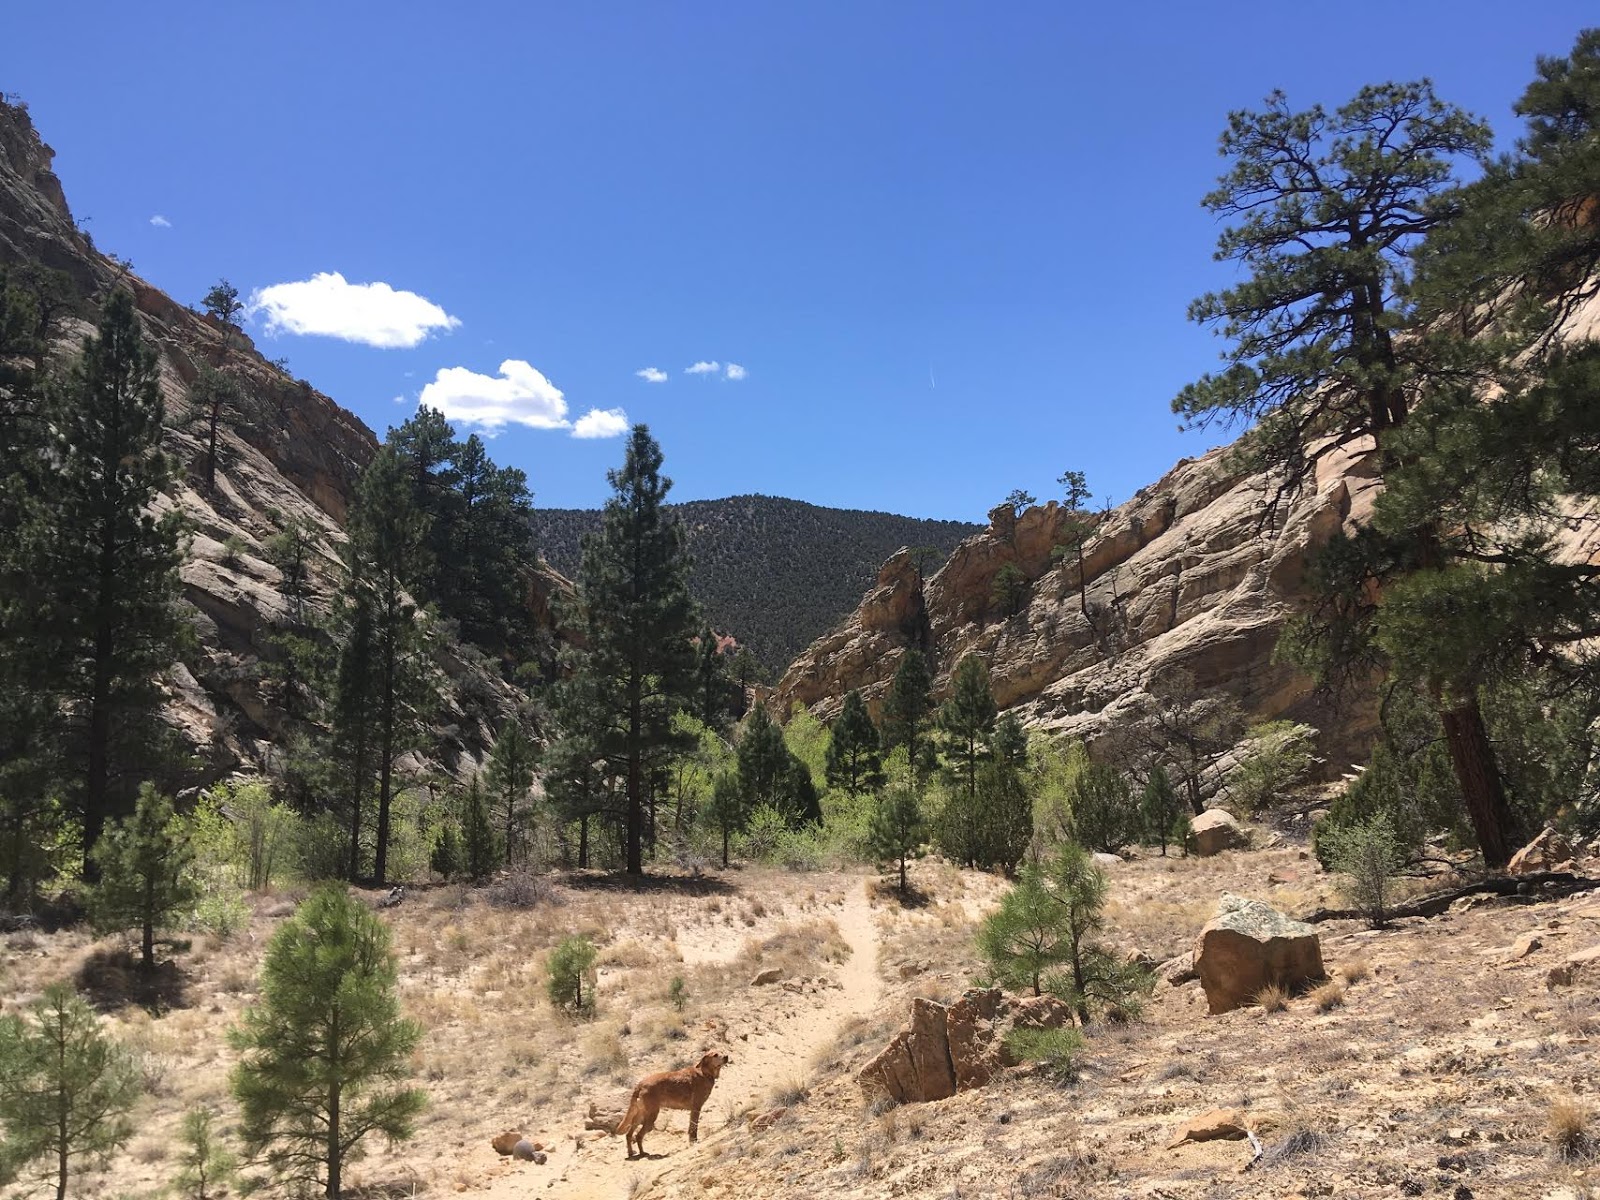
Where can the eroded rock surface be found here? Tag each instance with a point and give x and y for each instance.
(1248, 945)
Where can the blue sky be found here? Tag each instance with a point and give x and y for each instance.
(948, 247)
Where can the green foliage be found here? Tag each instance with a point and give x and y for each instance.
(771, 775)
(897, 831)
(1055, 1050)
(908, 712)
(509, 779)
(854, 760)
(222, 303)
(1007, 590)
(145, 866)
(1104, 816)
(571, 984)
(241, 835)
(65, 1088)
(638, 622)
(1024, 939)
(1277, 758)
(728, 810)
(448, 858)
(1161, 812)
(222, 912)
(813, 563)
(716, 696)
(1367, 854)
(678, 993)
(205, 1164)
(325, 1049)
(1017, 500)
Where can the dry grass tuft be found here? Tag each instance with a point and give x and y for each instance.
(1568, 1125)
(1356, 969)
(1329, 996)
(1273, 998)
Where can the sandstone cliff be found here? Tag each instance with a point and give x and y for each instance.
(286, 451)
(1186, 581)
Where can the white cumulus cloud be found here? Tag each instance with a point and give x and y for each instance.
(373, 314)
(160, 222)
(519, 394)
(601, 423)
(652, 375)
(734, 371)
(703, 368)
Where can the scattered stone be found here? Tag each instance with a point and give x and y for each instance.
(770, 975)
(1102, 859)
(1178, 971)
(1216, 830)
(911, 970)
(524, 1150)
(1544, 853)
(1248, 945)
(767, 1119)
(1283, 875)
(1212, 1125)
(1524, 946)
(506, 1143)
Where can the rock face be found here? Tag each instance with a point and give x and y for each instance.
(1249, 945)
(948, 1049)
(287, 451)
(1216, 830)
(1547, 852)
(1185, 582)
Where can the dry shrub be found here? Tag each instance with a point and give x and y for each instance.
(1356, 969)
(1329, 996)
(1273, 998)
(1568, 1125)
(521, 887)
(789, 1093)
(630, 955)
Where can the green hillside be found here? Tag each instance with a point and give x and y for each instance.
(774, 573)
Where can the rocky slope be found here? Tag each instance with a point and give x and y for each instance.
(287, 451)
(1186, 585)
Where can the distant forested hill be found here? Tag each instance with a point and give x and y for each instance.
(774, 573)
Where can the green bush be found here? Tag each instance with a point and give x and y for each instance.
(571, 984)
(1367, 854)
(678, 993)
(1277, 759)
(1104, 816)
(222, 912)
(240, 835)
(1056, 1050)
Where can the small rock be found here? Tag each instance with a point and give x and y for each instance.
(1178, 971)
(1102, 859)
(506, 1143)
(1283, 875)
(1210, 1126)
(523, 1150)
(770, 975)
(1524, 946)
(912, 970)
(767, 1119)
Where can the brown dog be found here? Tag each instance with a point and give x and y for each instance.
(687, 1087)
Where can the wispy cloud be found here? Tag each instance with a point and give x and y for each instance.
(703, 368)
(326, 305)
(160, 222)
(519, 395)
(652, 374)
(601, 423)
(734, 372)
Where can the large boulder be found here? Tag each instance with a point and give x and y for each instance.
(915, 1066)
(1250, 944)
(1216, 830)
(1547, 852)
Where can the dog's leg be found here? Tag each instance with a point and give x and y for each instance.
(694, 1123)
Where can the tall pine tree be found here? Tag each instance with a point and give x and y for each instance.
(855, 758)
(908, 711)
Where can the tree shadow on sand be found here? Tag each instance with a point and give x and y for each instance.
(696, 886)
(112, 978)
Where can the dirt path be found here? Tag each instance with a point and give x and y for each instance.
(773, 1034)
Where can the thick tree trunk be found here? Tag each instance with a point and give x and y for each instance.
(333, 1144)
(1493, 822)
(583, 842)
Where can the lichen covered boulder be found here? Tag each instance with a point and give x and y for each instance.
(1216, 830)
(1248, 945)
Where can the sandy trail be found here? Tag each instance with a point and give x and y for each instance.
(773, 1035)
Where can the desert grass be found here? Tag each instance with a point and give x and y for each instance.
(1273, 998)
(1571, 1139)
(1328, 996)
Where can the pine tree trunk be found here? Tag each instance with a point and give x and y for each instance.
(387, 718)
(211, 450)
(583, 842)
(333, 1143)
(1196, 804)
(1493, 822)
(634, 850)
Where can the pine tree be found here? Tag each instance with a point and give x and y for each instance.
(205, 1164)
(212, 395)
(510, 779)
(728, 809)
(325, 1050)
(108, 571)
(908, 711)
(146, 872)
(855, 758)
(897, 830)
(1329, 208)
(1103, 814)
(770, 773)
(386, 551)
(1076, 525)
(713, 690)
(477, 836)
(1160, 810)
(65, 1088)
(222, 303)
(966, 720)
(638, 622)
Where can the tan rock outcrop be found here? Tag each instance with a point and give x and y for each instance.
(1216, 830)
(1248, 945)
(1546, 852)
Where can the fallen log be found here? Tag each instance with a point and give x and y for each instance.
(1540, 885)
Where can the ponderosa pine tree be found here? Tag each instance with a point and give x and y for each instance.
(728, 809)
(211, 396)
(1160, 810)
(1328, 209)
(65, 1088)
(145, 865)
(897, 831)
(477, 835)
(353, 737)
(1076, 525)
(386, 550)
(769, 772)
(965, 722)
(509, 778)
(325, 1051)
(713, 690)
(855, 753)
(908, 712)
(107, 572)
(638, 621)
